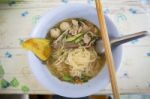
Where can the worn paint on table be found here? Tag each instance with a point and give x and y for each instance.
(18, 18)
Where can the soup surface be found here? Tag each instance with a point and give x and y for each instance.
(74, 58)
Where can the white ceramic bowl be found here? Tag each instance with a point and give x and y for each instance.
(41, 72)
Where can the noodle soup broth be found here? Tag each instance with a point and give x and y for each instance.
(74, 58)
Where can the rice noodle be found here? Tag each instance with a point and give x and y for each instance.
(80, 59)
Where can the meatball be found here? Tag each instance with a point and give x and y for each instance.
(54, 33)
(75, 23)
(64, 26)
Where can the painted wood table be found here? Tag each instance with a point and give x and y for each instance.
(18, 18)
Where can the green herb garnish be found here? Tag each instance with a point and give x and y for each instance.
(85, 78)
(78, 39)
(72, 38)
(68, 78)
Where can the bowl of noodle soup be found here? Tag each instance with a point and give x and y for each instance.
(74, 64)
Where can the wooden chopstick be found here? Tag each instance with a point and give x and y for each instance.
(107, 47)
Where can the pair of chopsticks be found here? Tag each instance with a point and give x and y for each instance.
(107, 47)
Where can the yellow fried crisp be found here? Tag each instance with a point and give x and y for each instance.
(40, 47)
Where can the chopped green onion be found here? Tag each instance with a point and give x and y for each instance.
(67, 78)
(72, 38)
(78, 39)
(85, 78)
